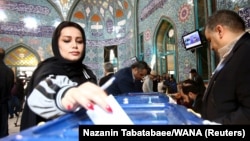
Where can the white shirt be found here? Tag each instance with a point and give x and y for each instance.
(160, 86)
(147, 85)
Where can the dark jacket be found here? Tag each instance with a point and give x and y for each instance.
(227, 98)
(124, 82)
(6, 83)
(197, 105)
(199, 81)
(105, 79)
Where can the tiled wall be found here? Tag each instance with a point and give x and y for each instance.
(99, 19)
(105, 24)
(171, 9)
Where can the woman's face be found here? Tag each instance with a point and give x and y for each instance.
(71, 44)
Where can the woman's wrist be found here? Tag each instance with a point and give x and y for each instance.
(66, 101)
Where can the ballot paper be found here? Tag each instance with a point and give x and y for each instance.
(101, 117)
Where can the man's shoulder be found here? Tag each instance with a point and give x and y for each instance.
(106, 77)
(123, 70)
(124, 74)
(110, 74)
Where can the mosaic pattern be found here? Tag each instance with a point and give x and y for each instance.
(185, 59)
(184, 12)
(240, 6)
(151, 7)
(21, 57)
(232, 4)
(106, 23)
(245, 14)
(64, 6)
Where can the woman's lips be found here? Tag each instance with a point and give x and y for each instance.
(75, 53)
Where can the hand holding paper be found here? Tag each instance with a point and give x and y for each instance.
(101, 117)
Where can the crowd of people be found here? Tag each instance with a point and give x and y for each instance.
(63, 84)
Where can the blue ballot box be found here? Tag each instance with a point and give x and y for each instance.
(142, 108)
(143, 100)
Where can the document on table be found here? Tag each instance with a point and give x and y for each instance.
(101, 117)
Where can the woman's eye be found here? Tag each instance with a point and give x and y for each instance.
(80, 42)
(66, 41)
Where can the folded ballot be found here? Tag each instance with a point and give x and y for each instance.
(100, 117)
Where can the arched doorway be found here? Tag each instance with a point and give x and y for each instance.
(165, 44)
(22, 59)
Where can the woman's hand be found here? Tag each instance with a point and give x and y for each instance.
(85, 95)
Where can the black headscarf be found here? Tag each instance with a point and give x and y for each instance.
(57, 65)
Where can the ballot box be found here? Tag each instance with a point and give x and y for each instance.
(143, 100)
(142, 109)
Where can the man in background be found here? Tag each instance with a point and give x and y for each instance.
(191, 89)
(147, 86)
(227, 98)
(108, 73)
(6, 84)
(198, 80)
(125, 78)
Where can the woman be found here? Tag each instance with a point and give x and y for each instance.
(62, 84)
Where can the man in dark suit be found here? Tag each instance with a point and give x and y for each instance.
(108, 72)
(6, 83)
(125, 78)
(198, 80)
(227, 97)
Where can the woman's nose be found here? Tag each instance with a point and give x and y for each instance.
(75, 44)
